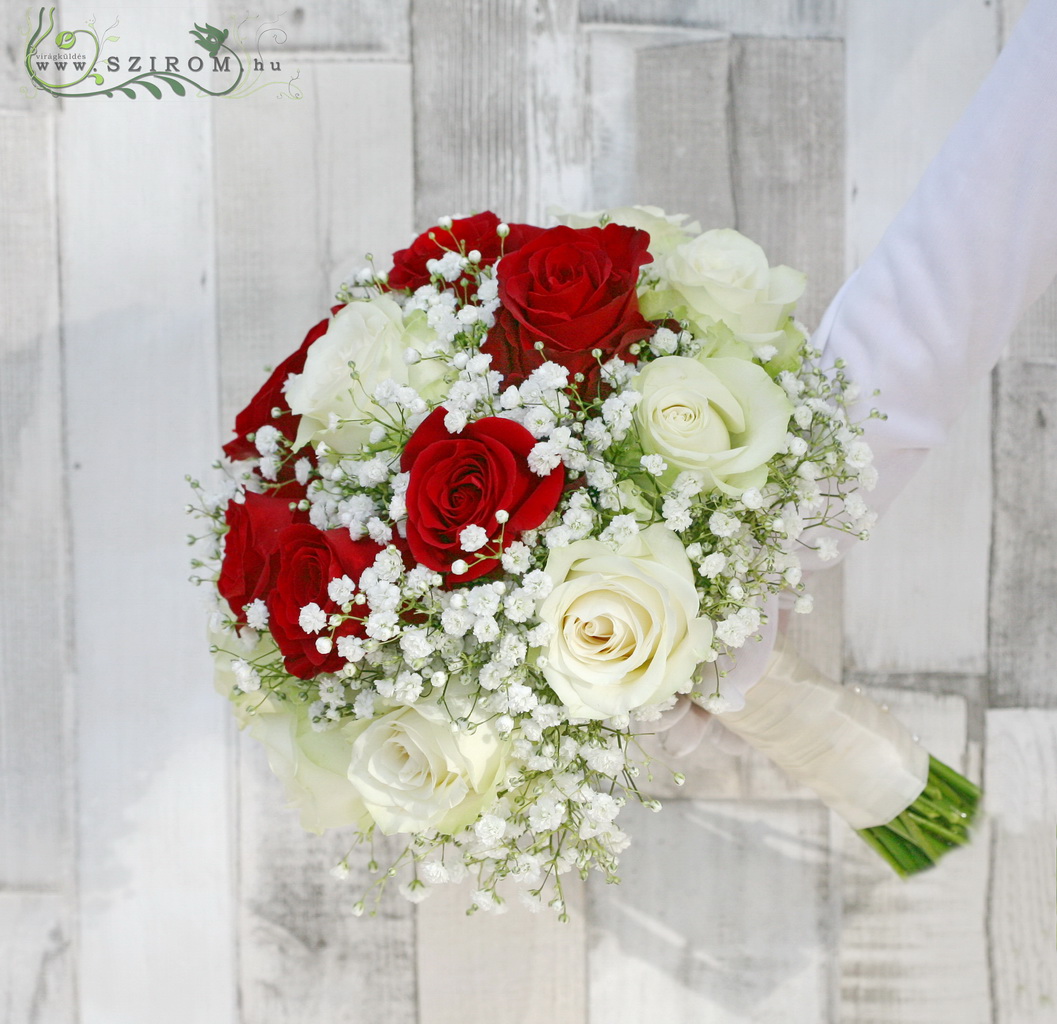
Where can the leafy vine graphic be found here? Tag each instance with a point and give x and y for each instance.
(214, 41)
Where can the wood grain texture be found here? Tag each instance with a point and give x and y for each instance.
(783, 18)
(35, 781)
(1021, 778)
(519, 966)
(614, 92)
(500, 120)
(155, 933)
(365, 29)
(788, 157)
(37, 854)
(725, 914)
(1024, 556)
(916, 595)
(300, 201)
(682, 127)
(303, 954)
(915, 951)
(37, 968)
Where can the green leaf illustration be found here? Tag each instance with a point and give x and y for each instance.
(174, 85)
(152, 89)
(128, 92)
(98, 78)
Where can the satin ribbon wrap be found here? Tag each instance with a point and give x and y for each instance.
(861, 761)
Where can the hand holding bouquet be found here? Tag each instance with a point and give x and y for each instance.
(507, 504)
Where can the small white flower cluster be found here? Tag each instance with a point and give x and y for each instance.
(469, 656)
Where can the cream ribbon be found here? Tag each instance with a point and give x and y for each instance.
(861, 761)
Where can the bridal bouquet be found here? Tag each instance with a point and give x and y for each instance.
(514, 497)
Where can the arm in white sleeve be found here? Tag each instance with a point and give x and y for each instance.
(928, 313)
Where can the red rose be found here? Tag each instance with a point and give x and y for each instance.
(461, 480)
(465, 234)
(574, 291)
(253, 531)
(308, 559)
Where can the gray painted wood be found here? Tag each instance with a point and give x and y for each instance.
(616, 92)
(725, 914)
(37, 855)
(155, 937)
(519, 966)
(500, 121)
(37, 959)
(1024, 554)
(364, 29)
(783, 18)
(787, 99)
(299, 204)
(682, 115)
(1021, 776)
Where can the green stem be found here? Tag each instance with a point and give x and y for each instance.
(936, 822)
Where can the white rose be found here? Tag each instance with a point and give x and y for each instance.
(414, 773)
(313, 766)
(722, 275)
(373, 337)
(721, 418)
(626, 629)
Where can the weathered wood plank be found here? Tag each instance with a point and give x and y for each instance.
(304, 955)
(520, 966)
(1021, 779)
(35, 782)
(616, 91)
(788, 157)
(916, 594)
(151, 740)
(1024, 556)
(915, 951)
(37, 968)
(500, 120)
(782, 18)
(725, 914)
(365, 29)
(37, 868)
(304, 190)
(682, 108)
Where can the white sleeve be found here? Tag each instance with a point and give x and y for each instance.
(928, 313)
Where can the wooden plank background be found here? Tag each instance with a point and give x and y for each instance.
(157, 254)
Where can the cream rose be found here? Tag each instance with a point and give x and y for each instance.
(723, 276)
(667, 231)
(312, 766)
(372, 338)
(414, 773)
(626, 627)
(721, 418)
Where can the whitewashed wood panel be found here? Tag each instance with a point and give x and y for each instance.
(726, 914)
(499, 117)
(366, 29)
(788, 157)
(916, 594)
(1024, 558)
(37, 959)
(519, 967)
(682, 147)
(155, 937)
(622, 171)
(304, 190)
(1021, 776)
(782, 18)
(35, 781)
(915, 951)
(37, 866)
